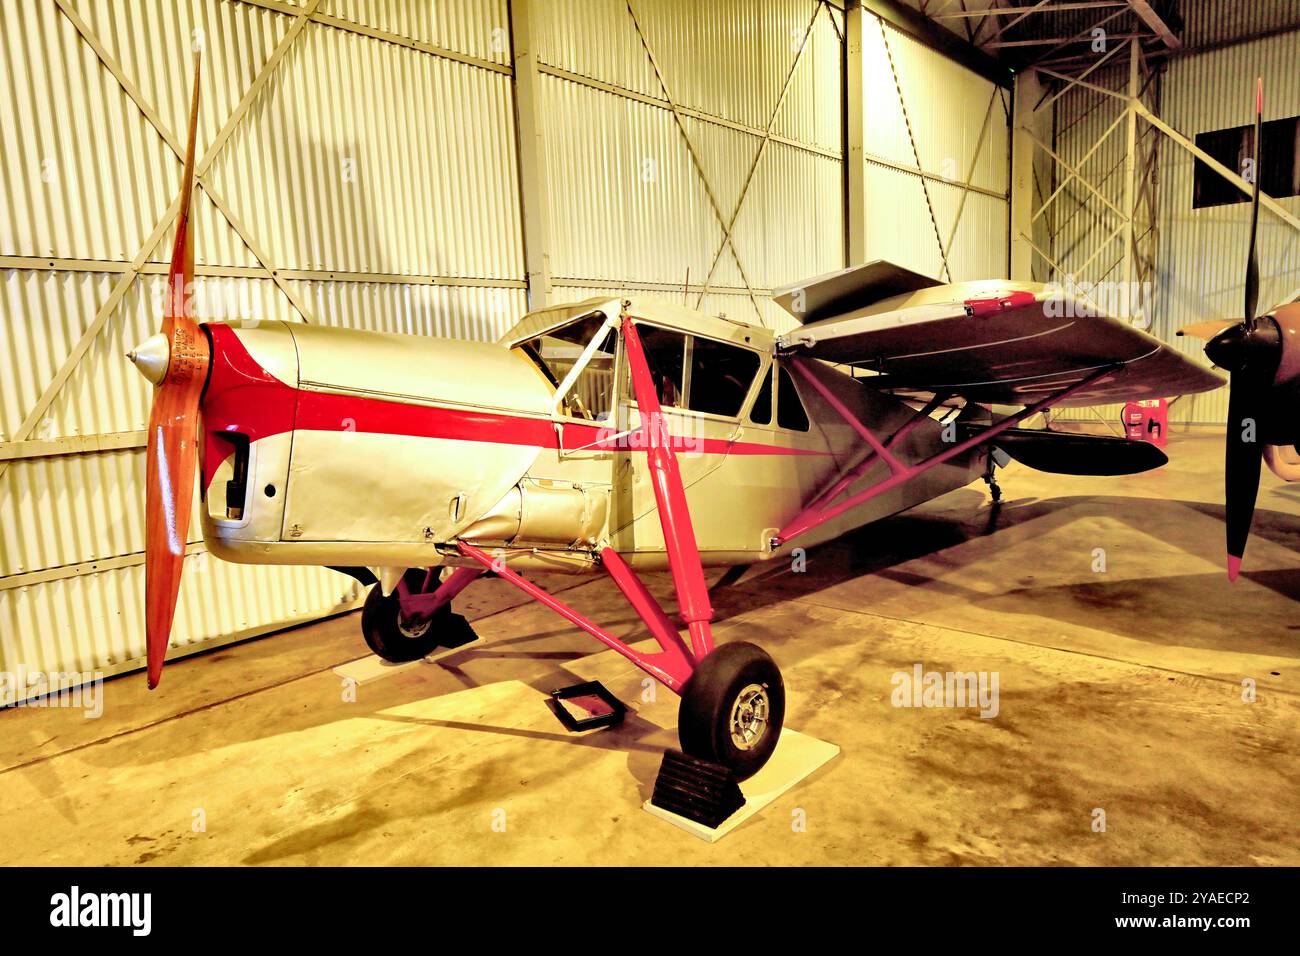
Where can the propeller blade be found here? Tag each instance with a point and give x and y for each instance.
(169, 495)
(173, 426)
(1206, 330)
(1251, 351)
(1252, 262)
(1241, 467)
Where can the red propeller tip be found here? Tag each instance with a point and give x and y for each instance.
(1259, 95)
(1234, 567)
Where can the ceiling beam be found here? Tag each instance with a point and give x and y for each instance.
(1026, 11)
(1042, 8)
(1047, 41)
(1152, 19)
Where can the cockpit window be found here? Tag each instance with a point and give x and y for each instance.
(557, 351)
(789, 407)
(720, 377)
(665, 354)
(702, 375)
(761, 413)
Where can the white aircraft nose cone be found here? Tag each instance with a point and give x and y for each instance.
(152, 357)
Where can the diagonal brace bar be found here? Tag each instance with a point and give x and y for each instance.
(427, 603)
(845, 413)
(644, 603)
(813, 517)
(856, 472)
(672, 667)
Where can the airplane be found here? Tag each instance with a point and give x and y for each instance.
(619, 434)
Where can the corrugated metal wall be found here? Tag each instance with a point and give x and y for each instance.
(1091, 136)
(959, 127)
(358, 167)
(701, 138)
(1208, 23)
(1086, 223)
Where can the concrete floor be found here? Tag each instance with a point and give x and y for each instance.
(1119, 690)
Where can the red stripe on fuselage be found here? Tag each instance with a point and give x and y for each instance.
(244, 397)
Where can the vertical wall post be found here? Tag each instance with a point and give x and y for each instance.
(855, 193)
(1026, 122)
(1130, 180)
(533, 185)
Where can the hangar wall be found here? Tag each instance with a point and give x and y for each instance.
(360, 166)
(309, 207)
(700, 137)
(936, 141)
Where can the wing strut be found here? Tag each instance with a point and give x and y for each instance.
(867, 463)
(820, 510)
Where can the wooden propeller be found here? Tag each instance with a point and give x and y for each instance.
(173, 423)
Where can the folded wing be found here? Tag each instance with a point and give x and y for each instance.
(999, 342)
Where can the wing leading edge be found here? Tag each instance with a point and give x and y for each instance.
(1000, 342)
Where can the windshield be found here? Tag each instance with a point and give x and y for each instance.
(591, 396)
(557, 351)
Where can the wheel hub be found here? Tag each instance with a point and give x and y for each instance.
(413, 627)
(749, 716)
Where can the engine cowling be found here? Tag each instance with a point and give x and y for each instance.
(341, 447)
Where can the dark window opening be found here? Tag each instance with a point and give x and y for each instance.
(1279, 172)
(720, 377)
(761, 413)
(664, 355)
(789, 407)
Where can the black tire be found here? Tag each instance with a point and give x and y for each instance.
(398, 641)
(715, 691)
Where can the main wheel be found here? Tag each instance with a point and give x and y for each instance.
(732, 709)
(398, 639)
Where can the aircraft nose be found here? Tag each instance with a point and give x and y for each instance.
(151, 357)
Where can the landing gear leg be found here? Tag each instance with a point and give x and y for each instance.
(411, 623)
(991, 479)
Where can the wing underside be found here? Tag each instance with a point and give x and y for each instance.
(1002, 343)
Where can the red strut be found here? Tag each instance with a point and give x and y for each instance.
(670, 496)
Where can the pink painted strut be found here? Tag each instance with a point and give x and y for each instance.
(670, 496)
(426, 604)
(834, 401)
(812, 517)
(853, 474)
(644, 603)
(672, 666)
